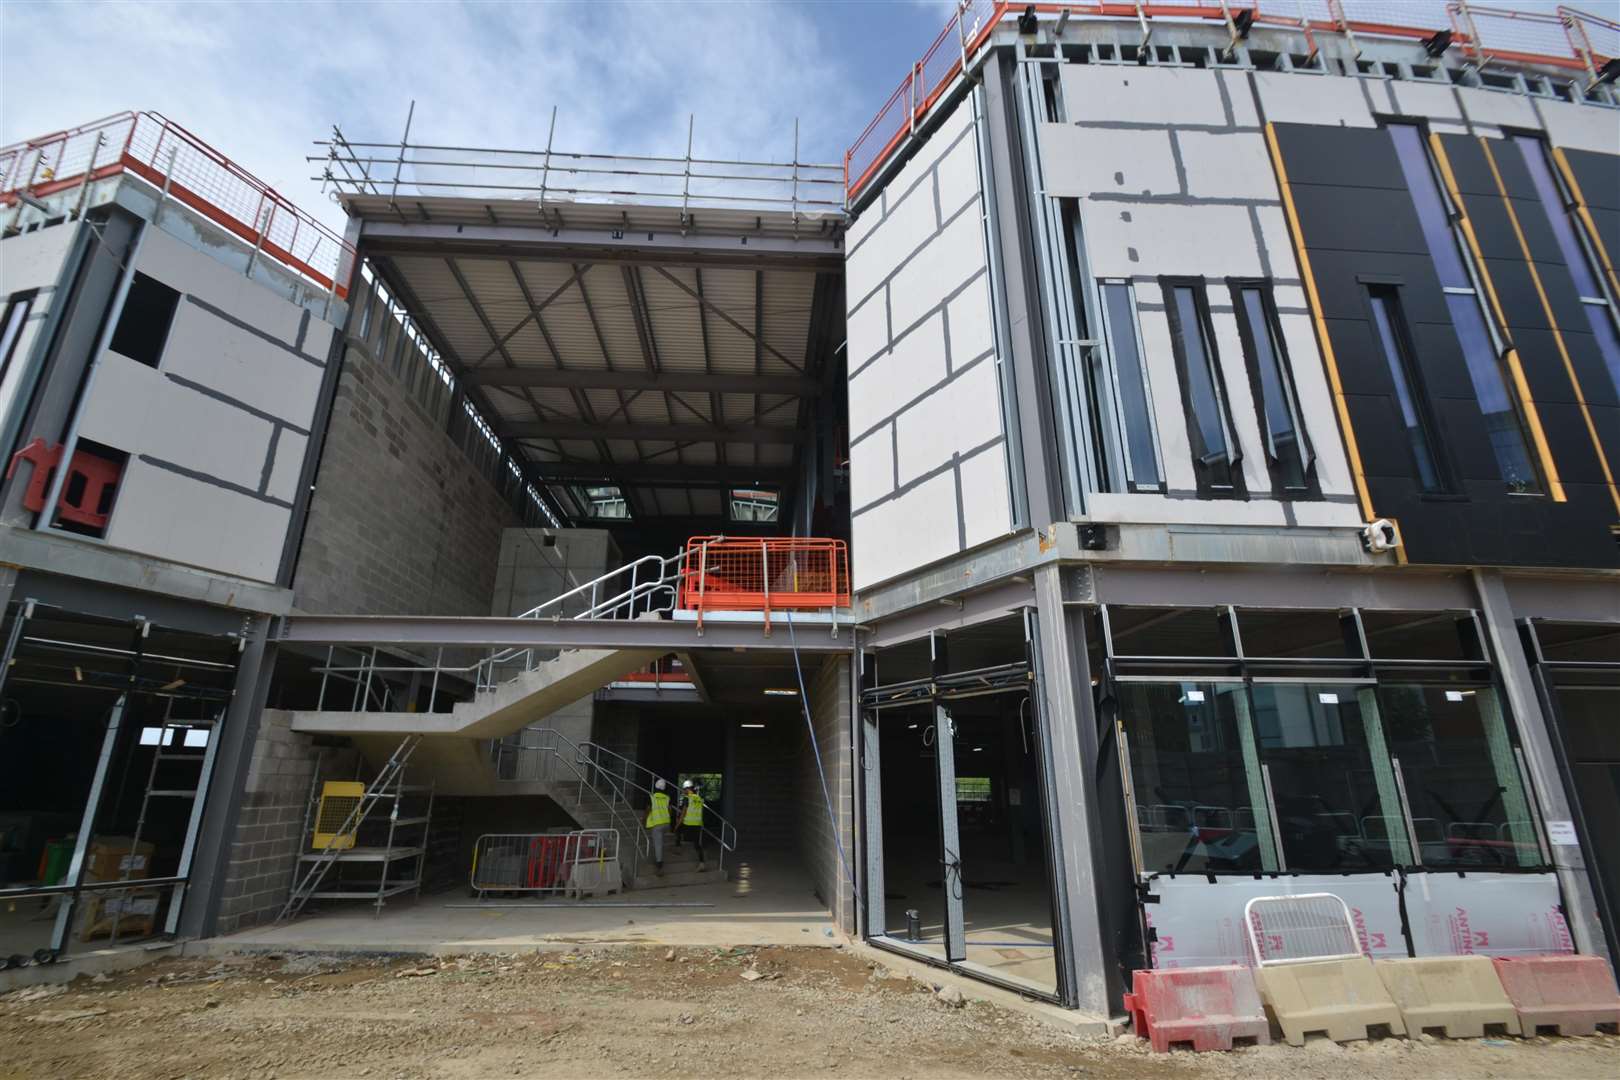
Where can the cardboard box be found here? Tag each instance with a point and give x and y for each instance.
(113, 858)
(134, 912)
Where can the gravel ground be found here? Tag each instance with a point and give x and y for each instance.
(636, 1012)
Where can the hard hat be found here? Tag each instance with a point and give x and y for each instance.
(686, 783)
(658, 785)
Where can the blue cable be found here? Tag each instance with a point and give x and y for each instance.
(815, 747)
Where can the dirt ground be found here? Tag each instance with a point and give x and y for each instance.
(611, 1012)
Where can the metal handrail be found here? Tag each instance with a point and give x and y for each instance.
(726, 838)
(626, 819)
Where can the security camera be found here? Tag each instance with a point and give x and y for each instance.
(1380, 536)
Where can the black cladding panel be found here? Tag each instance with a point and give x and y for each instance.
(1598, 176)
(1345, 184)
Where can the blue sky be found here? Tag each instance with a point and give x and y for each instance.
(261, 81)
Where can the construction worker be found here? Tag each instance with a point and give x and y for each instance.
(658, 822)
(691, 811)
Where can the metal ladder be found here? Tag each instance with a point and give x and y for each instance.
(204, 761)
(315, 871)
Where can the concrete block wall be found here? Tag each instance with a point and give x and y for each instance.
(269, 825)
(537, 565)
(818, 844)
(765, 772)
(218, 432)
(400, 522)
(927, 447)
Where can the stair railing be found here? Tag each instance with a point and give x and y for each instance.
(538, 754)
(637, 777)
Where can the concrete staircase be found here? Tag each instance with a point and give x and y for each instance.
(680, 867)
(509, 707)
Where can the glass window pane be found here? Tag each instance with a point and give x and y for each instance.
(1331, 778)
(1387, 315)
(1133, 395)
(1200, 805)
(1431, 208)
(1485, 371)
(1286, 452)
(1552, 204)
(1208, 435)
(1462, 778)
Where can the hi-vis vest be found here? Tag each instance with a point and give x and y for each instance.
(694, 810)
(658, 812)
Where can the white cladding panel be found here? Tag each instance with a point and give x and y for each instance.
(924, 401)
(31, 260)
(217, 433)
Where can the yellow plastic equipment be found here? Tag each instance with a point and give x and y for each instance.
(338, 800)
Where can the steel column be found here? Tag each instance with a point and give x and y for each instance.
(1552, 798)
(950, 837)
(1091, 980)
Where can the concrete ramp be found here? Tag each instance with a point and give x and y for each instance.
(510, 707)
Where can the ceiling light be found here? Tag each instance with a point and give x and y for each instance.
(754, 725)
(781, 691)
(911, 727)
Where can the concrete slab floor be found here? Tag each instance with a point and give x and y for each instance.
(771, 904)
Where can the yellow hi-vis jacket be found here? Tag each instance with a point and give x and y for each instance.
(658, 812)
(694, 809)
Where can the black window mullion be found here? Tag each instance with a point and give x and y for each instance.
(1249, 335)
(1180, 338)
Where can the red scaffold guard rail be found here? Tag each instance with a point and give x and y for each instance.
(175, 161)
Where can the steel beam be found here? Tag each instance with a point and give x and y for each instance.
(602, 245)
(502, 632)
(675, 476)
(549, 429)
(673, 381)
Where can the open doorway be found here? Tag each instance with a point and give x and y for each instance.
(959, 857)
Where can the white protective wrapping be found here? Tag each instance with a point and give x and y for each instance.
(1486, 914)
(1199, 924)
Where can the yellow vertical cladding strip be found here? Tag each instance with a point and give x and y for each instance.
(1521, 387)
(1552, 320)
(1352, 451)
(1586, 217)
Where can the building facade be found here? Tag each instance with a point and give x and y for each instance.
(1243, 402)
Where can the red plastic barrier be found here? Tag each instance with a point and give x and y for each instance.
(1575, 994)
(1207, 1007)
(89, 487)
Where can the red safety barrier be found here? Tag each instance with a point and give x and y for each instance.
(172, 159)
(87, 493)
(764, 574)
(548, 856)
(1207, 1007)
(1576, 41)
(1574, 994)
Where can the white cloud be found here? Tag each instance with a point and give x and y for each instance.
(262, 81)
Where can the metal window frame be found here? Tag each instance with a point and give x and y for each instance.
(1583, 238)
(1501, 344)
(1285, 371)
(1109, 357)
(1389, 292)
(1199, 287)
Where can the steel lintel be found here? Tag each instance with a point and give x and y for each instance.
(504, 632)
(650, 248)
(562, 429)
(672, 381)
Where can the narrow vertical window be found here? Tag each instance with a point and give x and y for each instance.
(1203, 396)
(1576, 249)
(1481, 343)
(1392, 337)
(1288, 452)
(1132, 401)
(11, 329)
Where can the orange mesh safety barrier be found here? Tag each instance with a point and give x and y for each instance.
(764, 574)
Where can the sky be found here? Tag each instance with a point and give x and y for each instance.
(262, 81)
